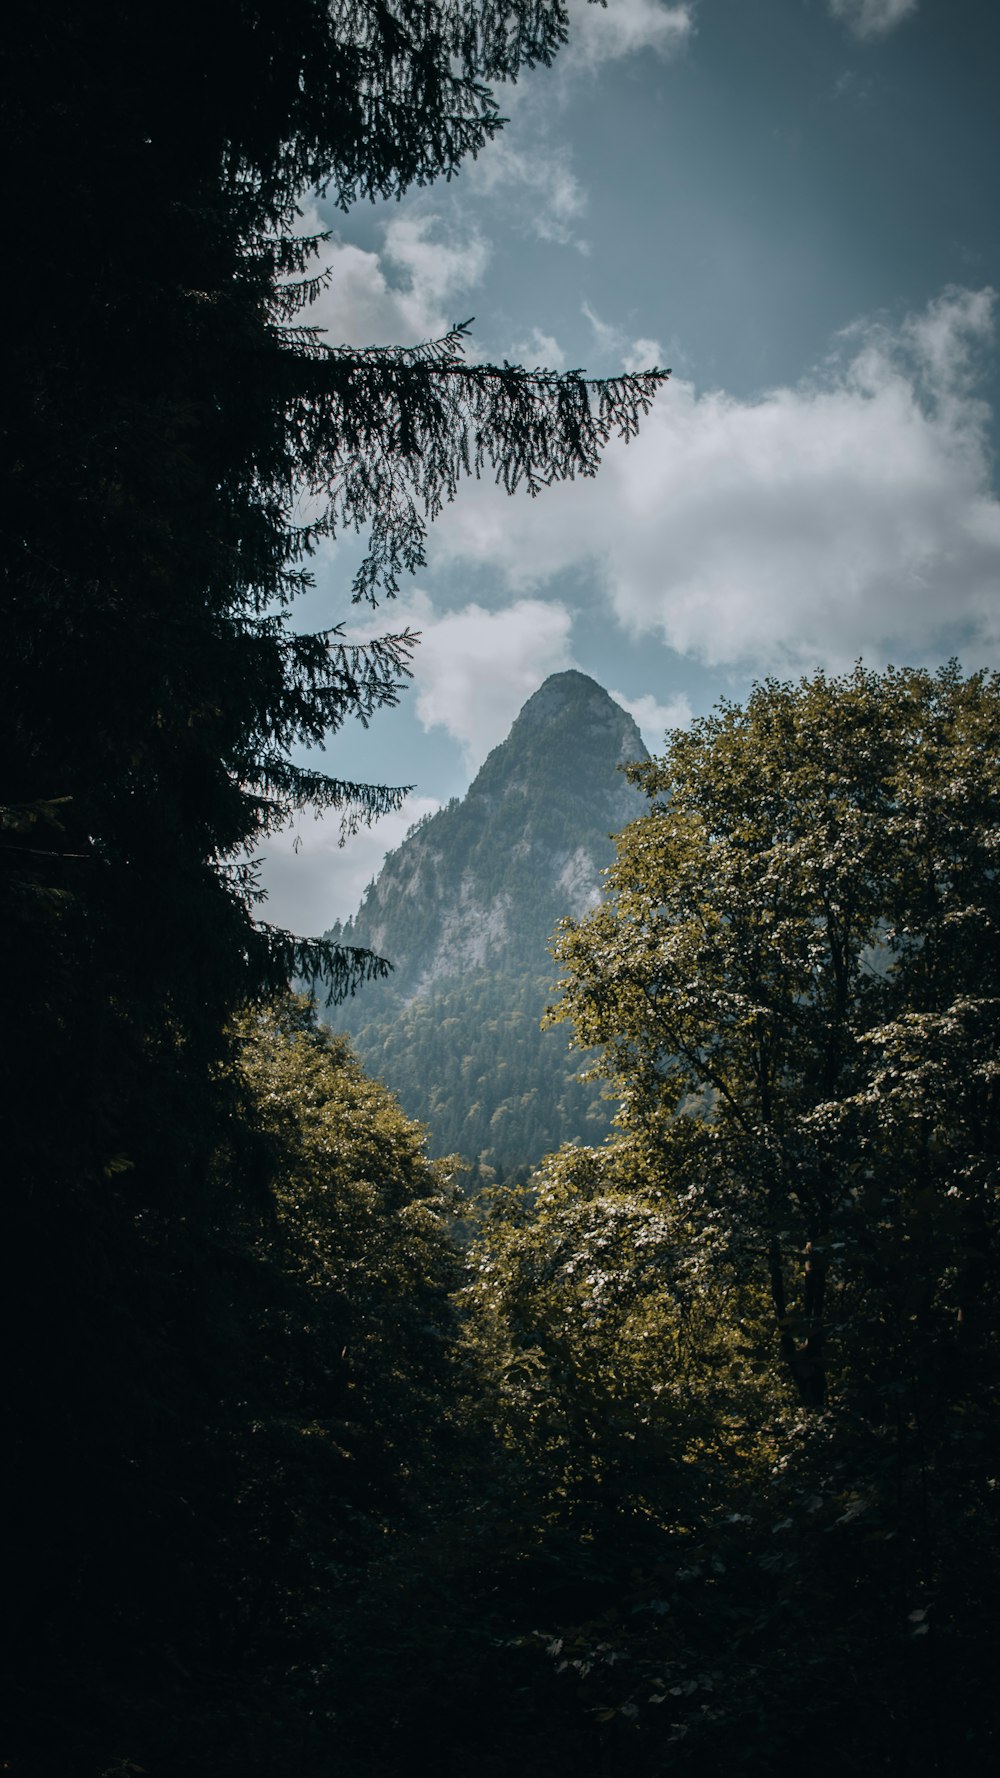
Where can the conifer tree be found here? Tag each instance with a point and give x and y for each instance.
(166, 418)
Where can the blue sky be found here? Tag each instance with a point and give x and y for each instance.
(792, 203)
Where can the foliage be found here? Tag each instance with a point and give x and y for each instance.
(362, 1227)
(178, 517)
(796, 980)
(689, 1463)
(175, 447)
(619, 1354)
(702, 1566)
(329, 1388)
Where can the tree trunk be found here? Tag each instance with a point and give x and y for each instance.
(806, 1362)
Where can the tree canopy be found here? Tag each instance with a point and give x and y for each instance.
(749, 1345)
(795, 981)
(684, 1456)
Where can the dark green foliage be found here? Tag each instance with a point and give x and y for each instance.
(330, 1383)
(166, 421)
(801, 956)
(687, 1463)
(694, 1565)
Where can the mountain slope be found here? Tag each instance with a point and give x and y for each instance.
(465, 909)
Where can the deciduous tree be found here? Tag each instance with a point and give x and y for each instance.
(795, 980)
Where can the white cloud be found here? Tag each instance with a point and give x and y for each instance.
(312, 880)
(437, 267)
(602, 34)
(653, 719)
(541, 349)
(852, 514)
(642, 354)
(475, 668)
(608, 338)
(615, 347)
(550, 199)
(538, 174)
(408, 293)
(872, 18)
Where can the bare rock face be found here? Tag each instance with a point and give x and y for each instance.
(465, 910)
(484, 881)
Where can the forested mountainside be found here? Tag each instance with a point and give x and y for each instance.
(465, 910)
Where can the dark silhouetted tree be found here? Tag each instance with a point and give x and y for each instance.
(166, 419)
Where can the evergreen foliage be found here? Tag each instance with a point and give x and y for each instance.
(168, 421)
(685, 1459)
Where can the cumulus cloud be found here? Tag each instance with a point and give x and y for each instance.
(539, 348)
(600, 34)
(872, 18)
(615, 347)
(550, 200)
(475, 668)
(653, 719)
(407, 293)
(851, 514)
(311, 880)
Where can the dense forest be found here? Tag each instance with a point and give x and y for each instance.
(681, 1458)
(472, 1061)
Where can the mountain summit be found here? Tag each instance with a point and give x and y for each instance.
(465, 909)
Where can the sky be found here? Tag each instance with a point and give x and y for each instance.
(791, 204)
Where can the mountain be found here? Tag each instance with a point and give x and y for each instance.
(465, 909)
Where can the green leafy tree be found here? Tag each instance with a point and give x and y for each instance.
(740, 1362)
(337, 1428)
(618, 1360)
(796, 983)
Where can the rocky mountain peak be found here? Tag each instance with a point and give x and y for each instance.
(570, 734)
(583, 697)
(494, 872)
(465, 909)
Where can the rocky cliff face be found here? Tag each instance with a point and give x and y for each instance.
(465, 910)
(482, 883)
